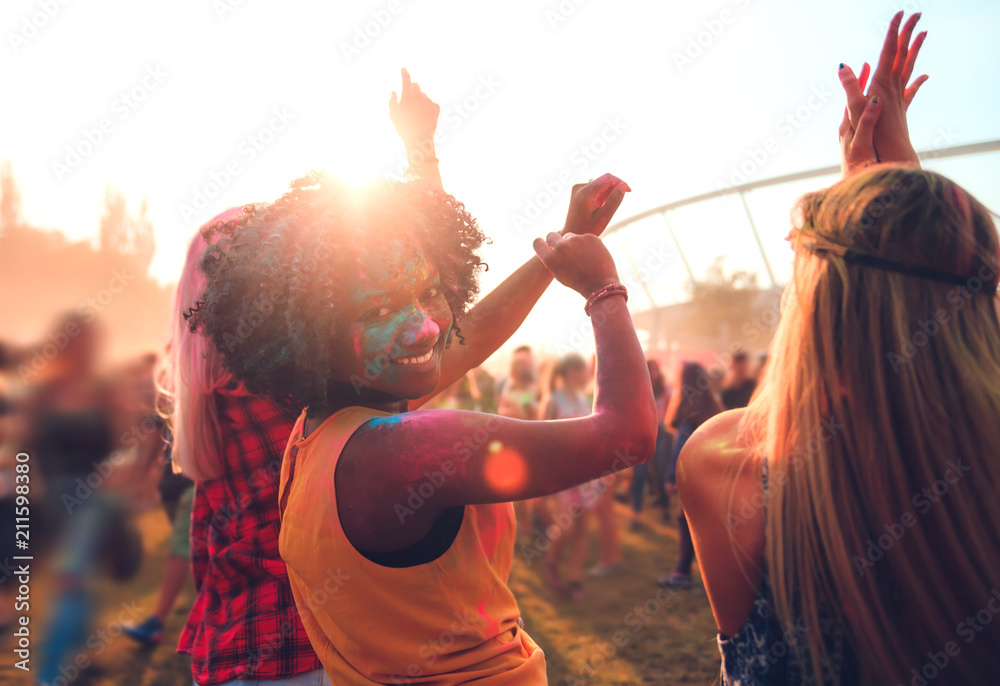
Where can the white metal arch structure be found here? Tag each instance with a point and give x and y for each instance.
(662, 210)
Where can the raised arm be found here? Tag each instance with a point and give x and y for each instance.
(891, 137)
(471, 458)
(495, 318)
(415, 117)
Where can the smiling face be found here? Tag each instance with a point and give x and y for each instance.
(395, 325)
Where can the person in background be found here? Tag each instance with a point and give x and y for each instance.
(484, 389)
(458, 396)
(519, 394)
(519, 398)
(655, 470)
(73, 417)
(565, 397)
(739, 385)
(243, 624)
(177, 499)
(761, 368)
(691, 405)
(610, 560)
(8, 503)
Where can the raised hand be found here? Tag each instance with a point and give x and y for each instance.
(592, 205)
(414, 115)
(889, 82)
(857, 147)
(580, 262)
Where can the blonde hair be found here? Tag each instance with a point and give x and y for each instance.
(883, 384)
(190, 373)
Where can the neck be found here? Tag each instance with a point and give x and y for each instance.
(341, 395)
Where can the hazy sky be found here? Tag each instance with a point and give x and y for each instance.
(205, 104)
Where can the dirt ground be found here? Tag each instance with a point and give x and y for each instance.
(625, 631)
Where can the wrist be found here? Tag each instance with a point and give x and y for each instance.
(421, 152)
(600, 284)
(611, 291)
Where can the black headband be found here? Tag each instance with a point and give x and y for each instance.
(861, 259)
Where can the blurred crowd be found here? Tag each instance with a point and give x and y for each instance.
(555, 527)
(82, 450)
(99, 454)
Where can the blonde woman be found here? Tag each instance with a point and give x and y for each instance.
(847, 522)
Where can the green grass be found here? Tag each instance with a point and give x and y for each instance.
(626, 631)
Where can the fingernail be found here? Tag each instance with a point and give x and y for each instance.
(875, 100)
(841, 66)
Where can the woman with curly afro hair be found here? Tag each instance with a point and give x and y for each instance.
(397, 529)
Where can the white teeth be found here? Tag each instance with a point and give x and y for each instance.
(416, 360)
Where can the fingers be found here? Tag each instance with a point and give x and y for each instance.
(911, 57)
(610, 205)
(903, 43)
(856, 99)
(888, 56)
(845, 125)
(864, 142)
(598, 190)
(406, 78)
(393, 102)
(616, 186)
(553, 239)
(911, 91)
(543, 250)
(866, 71)
(606, 179)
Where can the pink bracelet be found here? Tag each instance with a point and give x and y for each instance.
(610, 289)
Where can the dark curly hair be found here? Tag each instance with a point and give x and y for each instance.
(277, 273)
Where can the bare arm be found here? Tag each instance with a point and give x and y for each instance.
(496, 317)
(415, 116)
(473, 458)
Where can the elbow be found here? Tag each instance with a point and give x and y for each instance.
(645, 440)
(628, 434)
(646, 430)
(637, 436)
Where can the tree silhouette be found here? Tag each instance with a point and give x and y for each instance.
(123, 234)
(10, 199)
(44, 275)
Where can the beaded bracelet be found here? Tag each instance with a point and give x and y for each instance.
(610, 289)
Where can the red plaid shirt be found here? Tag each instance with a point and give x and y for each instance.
(244, 624)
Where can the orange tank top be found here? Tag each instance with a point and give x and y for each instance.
(450, 621)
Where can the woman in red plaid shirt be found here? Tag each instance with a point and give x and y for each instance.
(243, 625)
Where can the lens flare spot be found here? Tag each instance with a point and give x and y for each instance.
(505, 469)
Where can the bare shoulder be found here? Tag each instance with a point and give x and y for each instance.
(720, 482)
(717, 463)
(713, 451)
